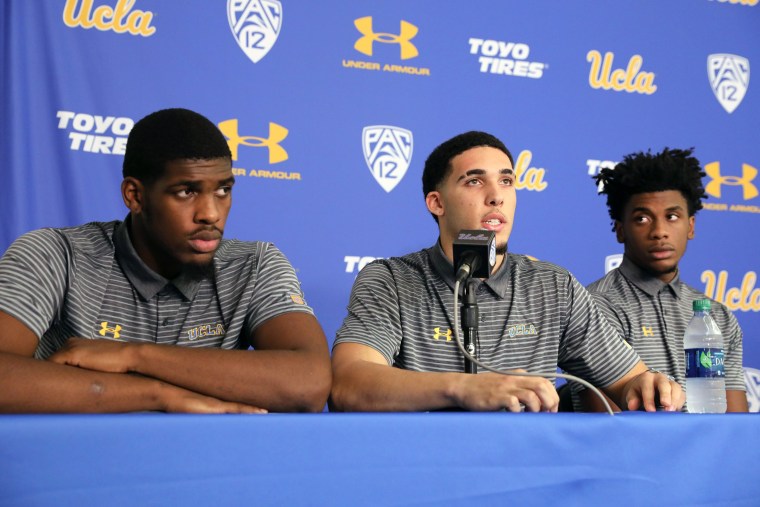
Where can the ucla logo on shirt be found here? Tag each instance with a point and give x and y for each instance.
(112, 331)
(729, 79)
(204, 330)
(387, 152)
(255, 24)
(752, 382)
(526, 329)
(276, 153)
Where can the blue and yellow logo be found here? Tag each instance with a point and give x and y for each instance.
(365, 45)
(632, 79)
(120, 18)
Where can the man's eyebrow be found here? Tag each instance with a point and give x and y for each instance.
(481, 172)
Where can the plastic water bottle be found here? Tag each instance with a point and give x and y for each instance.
(703, 350)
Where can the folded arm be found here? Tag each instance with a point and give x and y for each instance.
(289, 370)
(33, 386)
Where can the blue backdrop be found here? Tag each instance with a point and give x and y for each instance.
(331, 108)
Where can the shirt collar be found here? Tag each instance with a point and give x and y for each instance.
(646, 281)
(147, 282)
(498, 282)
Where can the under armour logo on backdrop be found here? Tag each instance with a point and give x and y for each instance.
(729, 79)
(255, 24)
(749, 190)
(365, 43)
(388, 152)
(277, 133)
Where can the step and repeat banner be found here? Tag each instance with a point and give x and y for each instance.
(331, 107)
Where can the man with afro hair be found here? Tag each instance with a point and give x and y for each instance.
(653, 200)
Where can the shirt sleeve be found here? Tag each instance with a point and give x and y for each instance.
(34, 275)
(591, 347)
(732, 347)
(373, 312)
(277, 289)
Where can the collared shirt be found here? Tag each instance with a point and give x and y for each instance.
(88, 281)
(653, 315)
(533, 315)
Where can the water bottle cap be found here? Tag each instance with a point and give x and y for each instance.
(701, 305)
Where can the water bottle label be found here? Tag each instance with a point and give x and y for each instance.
(704, 363)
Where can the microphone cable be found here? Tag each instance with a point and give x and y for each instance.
(518, 374)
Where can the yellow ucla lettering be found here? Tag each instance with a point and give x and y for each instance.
(630, 80)
(119, 19)
(529, 178)
(745, 298)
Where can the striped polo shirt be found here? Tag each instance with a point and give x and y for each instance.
(88, 281)
(533, 315)
(652, 316)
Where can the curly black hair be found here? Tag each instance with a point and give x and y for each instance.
(438, 163)
(644, 172)
(171, 134)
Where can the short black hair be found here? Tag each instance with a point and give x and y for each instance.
(171, 134)
(438, 163)
(641, 172)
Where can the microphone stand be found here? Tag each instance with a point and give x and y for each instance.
(470, 320)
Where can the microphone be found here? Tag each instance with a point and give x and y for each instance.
(474, 254)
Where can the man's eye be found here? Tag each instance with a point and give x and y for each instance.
(223, 191)
(184, 193)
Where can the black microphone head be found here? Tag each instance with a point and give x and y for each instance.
(475, 250)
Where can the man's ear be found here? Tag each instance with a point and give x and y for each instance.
(434, 203)
(133, 194)
(692, 221)
(619, 233)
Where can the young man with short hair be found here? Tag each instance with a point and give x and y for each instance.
(157, 312)
(394, 351)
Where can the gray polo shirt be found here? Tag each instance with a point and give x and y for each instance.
(88, 281)
(652, 316)
(534, 315)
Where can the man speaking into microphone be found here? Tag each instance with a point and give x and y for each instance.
(396, 349)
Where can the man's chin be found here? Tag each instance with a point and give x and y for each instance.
(199, 270)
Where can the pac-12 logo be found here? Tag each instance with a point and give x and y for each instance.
(729, 79)
(255, 24)
(388, 152)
